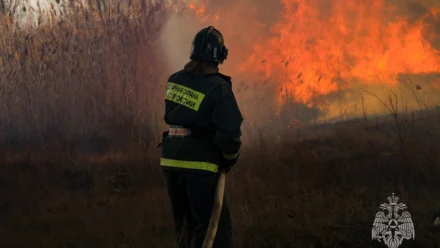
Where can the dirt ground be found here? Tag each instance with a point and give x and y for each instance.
(322, 191)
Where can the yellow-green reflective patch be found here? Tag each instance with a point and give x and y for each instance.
(195, 165)
(184, 95)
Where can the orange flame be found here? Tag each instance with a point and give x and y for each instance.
(356, 41)
(314, 51)
(198, 10)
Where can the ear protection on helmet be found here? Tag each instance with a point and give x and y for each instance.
(220, 52)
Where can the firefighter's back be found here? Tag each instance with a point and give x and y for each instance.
(204, 134)
(189, 104)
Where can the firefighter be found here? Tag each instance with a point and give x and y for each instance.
(203, 137)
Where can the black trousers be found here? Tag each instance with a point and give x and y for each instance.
(192, 197)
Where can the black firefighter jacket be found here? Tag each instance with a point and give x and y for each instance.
(207, 106)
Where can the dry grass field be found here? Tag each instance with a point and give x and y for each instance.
(79, 125)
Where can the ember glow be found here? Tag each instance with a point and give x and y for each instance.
(317, 47)
(200, 10)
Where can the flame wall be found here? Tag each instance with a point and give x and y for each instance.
(317, 54)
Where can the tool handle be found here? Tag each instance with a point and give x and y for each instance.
(216, 211)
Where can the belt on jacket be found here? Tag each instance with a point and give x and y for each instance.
(178, 131)
(181, 132)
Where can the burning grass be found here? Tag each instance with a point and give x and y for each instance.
(314, 48)
(79, 124)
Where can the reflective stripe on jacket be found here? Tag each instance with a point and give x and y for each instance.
(194, 165)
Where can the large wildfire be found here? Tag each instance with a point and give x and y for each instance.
(310, 49)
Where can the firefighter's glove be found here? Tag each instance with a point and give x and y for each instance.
(229, 161)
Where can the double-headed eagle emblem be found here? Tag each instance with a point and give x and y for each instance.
(393, 225)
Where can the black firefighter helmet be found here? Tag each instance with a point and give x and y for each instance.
(208, 45)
